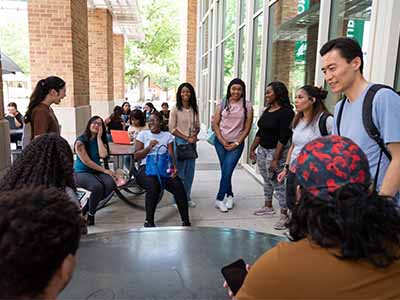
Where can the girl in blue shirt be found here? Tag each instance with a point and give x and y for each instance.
(89, 173)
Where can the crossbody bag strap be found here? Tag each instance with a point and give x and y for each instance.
(339, 116)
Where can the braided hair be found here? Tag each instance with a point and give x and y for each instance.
(228, 96)
(47, 161)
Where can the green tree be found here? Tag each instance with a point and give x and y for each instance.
(14, 42)
(156, 55)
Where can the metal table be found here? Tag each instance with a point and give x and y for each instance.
(131, 188)
(161, 263)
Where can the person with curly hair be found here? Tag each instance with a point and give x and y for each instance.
(90, 147)
(39, 238)
(47, 161)
(152, 143)
(345, 237)
(270, 147)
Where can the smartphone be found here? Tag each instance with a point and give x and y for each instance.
(234, 274)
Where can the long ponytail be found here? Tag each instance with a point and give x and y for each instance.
(42, 89)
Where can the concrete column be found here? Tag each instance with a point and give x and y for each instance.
(58, 40)
(383, 45)
(101, 61)
(5, 158)
(119, 68)
(188, 42)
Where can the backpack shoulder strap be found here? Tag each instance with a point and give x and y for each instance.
(367, 117)
(322, 123)
(339, 115)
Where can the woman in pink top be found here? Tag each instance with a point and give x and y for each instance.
(232, 123)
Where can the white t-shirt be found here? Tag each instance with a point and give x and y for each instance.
(305, 133)
(163, 138)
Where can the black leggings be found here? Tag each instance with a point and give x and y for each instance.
(153, 190)
(100, 185)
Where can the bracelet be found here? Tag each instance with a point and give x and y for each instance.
(237, 144)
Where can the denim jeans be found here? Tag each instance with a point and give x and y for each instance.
(227, 161)
(186, 168)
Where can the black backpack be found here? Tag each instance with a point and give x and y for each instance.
(368, 123)
(322, 123)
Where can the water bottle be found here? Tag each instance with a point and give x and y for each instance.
(170, 168)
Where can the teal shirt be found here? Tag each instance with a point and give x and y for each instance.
(80, 167)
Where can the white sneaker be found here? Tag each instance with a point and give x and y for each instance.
(221, 206)
(192, 204)
(229, 202)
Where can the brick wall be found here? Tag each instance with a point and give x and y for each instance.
(100, 55)
(59, 45)
(188, 42)
(119, 66)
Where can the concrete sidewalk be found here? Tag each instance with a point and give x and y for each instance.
(248, 197)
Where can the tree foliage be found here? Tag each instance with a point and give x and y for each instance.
(157, 54)
(14, 41)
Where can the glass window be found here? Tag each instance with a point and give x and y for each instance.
(256, 62)
(292, 43)
(228, 59)
(229, 16)
(242, 47)
(255, 86)
(258, 4)
(351, 19)
(243, 11)
(205, 34)
(205, 5)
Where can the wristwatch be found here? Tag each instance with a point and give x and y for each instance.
(286, 167)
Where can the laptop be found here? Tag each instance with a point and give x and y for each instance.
(120, 137)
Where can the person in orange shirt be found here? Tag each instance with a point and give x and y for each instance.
(345, 237)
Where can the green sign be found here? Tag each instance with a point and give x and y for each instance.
(300, 49)
(355, 30)
(302, 6)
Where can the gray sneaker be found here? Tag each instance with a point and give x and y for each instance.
(282, 223)
(192, 204)
(265, 210)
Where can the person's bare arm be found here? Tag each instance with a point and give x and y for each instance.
(103, 153)
(253, 147)
(391, 182)
(217, 130)
(171, 153)
(84, 157)
(246, 131)
(140, 151)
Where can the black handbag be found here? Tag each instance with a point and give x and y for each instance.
(186, 151)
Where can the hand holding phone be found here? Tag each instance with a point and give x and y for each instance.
(234, 274)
